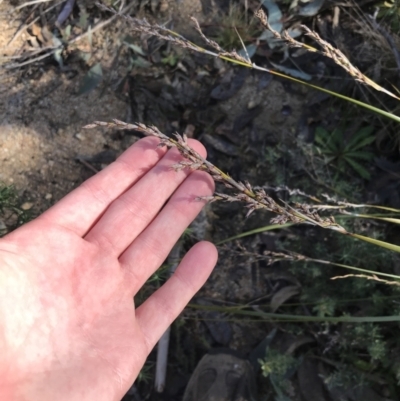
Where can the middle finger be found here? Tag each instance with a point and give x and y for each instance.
(133, 211)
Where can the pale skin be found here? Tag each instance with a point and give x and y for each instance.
(69, 329)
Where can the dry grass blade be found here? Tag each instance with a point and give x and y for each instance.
(243, 192)
(327, 50)
(30, 3)
(373, 277)
(290, 256)
(141, 25)
(253, 198)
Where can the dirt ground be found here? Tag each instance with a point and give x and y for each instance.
(42, 113)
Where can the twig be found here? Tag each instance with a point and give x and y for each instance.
(103, 24)
(24, 27)
(88, 165)
(29, 3)
(42, 57)
(100, 25)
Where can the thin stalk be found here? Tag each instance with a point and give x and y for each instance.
(141, 25)
(254, 198)
(283, 317)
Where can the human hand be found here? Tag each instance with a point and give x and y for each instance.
(68, 326)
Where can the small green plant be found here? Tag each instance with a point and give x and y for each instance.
(170, 58)
(11, 215)
(236, 27)
(278, 368)
(389, 10)
(346, 153)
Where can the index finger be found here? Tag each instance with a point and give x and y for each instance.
(81, 208)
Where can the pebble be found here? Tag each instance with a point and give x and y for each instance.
(27, 206)
(80, 136)
(48, 196)
(189, 130)
(164, 6)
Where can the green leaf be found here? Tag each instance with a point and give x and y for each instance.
(130, 42)
(292, 72)
(363, 142)
(366, 131)
(363, 155)
(330, 158)
(359, 135)
(337, 137)
(370, 216)
(333, 147)
(256, 231)
(274, 15)
(358, 168)
(268, 316)
(383, 244)
(250, 51)
(140, 62)
(321, 134)
(83, 20)
(320, 141)
(135, 48)
(67, 32)
(90, 81)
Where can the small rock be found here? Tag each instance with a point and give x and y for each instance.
(189, 130)
(80, 136)
(48, 196)
(252, 104)
(164, 6)
(3, 228)
(27, 206)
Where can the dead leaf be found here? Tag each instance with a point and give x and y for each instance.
(283, 295)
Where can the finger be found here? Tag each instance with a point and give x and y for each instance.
(162, 308)
(133, 211)
(153, 245)
(80, 209)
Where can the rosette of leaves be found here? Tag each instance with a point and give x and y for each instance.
(346, 153)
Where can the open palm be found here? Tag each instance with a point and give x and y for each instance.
(68, 326)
